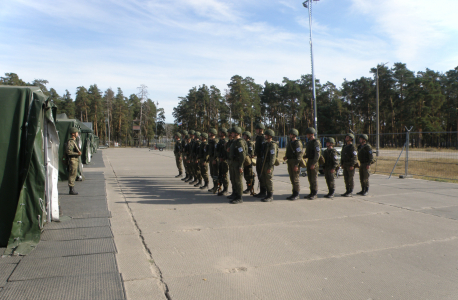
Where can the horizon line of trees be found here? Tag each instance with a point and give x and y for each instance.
(120, 112)
(425, 100)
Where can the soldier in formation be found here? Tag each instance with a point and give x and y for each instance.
(177, 151)
(221, 153)
(293, 158)
(348, 162)
(248, 165)
(237, 152)
(195, 160)
(267, 161)
(73, 153)
(366, 158)
(312, 154)
(202, 157)
(213, 159)
(258, 153)
(331, 165)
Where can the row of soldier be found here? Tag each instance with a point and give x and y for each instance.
(231, 152)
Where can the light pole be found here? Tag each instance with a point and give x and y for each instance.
(308, 4)
(378, 113)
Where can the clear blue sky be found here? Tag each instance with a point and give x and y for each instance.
(173, 45)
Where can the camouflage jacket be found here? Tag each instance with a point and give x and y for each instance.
(348, 155)
(331, 159)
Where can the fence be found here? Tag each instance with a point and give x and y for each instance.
(428, 155)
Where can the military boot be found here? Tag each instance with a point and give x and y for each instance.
(211, 190)
(312, 195)
(237, 199)
(231, 196)
(309, 195)
(349, 193)
(194, 181)
(186, 177)
(366, 191)
(223, 192)
(262, 194)
(247, 191)
(205, 186)
(268, 198)
(72, 191)
(294, 196)
(199, 183)
(362, 191)
(330, 195)
(189, 178)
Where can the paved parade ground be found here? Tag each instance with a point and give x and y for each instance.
(180, 242)
(152, 236)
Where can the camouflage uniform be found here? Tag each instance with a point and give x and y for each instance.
(183, 156)
(195, 162)
(267, 162)
(248, 170)
(238, 151)
(72, 151)
(331, 162)
(188, 152)
(365, 157)
(177, 152)
(293, 156)
(213, 161)
(312, 154)
(258, 152)
(203, 161)
(229, 162)
(223, 166)
(348, 160)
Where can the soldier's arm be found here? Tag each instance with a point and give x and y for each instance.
(335, 159)
(316, 151)
(70, 147)
(298, 152)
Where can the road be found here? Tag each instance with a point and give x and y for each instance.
(175, 241)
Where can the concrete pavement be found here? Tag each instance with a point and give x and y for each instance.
(175, 241)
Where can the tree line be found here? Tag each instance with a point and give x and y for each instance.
(111, 113)
(425, 100)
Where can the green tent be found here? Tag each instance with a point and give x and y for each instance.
(63, 126)
(86, 143)
(28, 154)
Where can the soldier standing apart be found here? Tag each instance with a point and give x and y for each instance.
(331, 163)
(238, 151)
(312, 153)
(195, 159)
(365, 157)
(222, 156)
(183, 146)
(73, 152)
(267, 163)
(213, 159)
(229, 161)
(258, 152)
(248, 170)
(177, 152)
(293, 156)
(203, 159)
(348, 161)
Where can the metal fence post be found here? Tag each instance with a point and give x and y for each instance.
(406, 175)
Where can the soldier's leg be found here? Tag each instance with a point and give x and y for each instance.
(269, 185)
(312, 175)
(223, 177)
(72, 173)
(258, 171)
(179, 164)
(198, 173)
(204, 172)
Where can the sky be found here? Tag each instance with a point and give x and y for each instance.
(173, 45)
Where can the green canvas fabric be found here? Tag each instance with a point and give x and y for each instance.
(22, 172)
(86, 148)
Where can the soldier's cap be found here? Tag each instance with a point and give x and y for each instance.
(204, 135)
(269, 132)
(222, 129)
(310, 130)
(350, 135)
(192, 132)
(364, 137)
(331, 140)
(247, 133)
(294, 131)
(197, 134)
(260, 126)
(237, 130)
(212, 131)
(184, 132)
(74, 130)
(186, 136)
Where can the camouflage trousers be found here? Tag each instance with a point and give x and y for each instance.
(237, 180)
(266, 179)
(204, 170)
(330, 182)
(72, 170)
(196, 168)
(214, 168)
(223, 170)
(294, 175)
(259, 173)
(179, 162)
(349, 178)
(364, 175)
(312, 175)
(248, 175)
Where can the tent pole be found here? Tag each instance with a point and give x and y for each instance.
(48, 199)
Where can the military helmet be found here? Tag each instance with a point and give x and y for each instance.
(186, 136)
(260, 126)
(269, 132)
(197, 134)
(222, 129)
(310, 130)
(364, 137)
(204, 135)
(192, 132)
(237, 130)
(294, 131)
(247, 133)
(185, 132)
(74, 130)
(212, 131)
(350, 135)
(331, 140)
